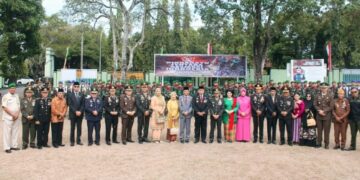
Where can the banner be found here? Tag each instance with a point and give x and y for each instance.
(181, 65)
(78, 75)
(308, 70)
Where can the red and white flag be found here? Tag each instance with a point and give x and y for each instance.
(209, 48)
(328, 50)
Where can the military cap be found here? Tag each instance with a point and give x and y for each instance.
(12, 85)
(285, 89)
(258, 86)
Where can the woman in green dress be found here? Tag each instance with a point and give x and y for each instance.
(229, 116)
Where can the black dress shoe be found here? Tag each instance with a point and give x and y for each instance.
(32, 146)
(146, 140)
(97, 143)
(24, 147)
(261, 141)
(140, 141)
(47, 146)
(282, 143)
(8, 151)
(219, 141)
(62, 145)
(72, 144)
(326, 146)
(182, 141)
(211, 141)
(351, 149)
(255, 141)
(108, 143)
(203, 141)
(130, 141)
(196, 141)
(56, 146)
(80, 143)
(269, 142)
(116, 142)
(342, 148)
(15, 149)
(273, 142)
(290, 144)
(90, 144)
(124, 142)
(39, 147)
(336, 147)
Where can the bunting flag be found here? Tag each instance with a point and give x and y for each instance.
(209, 49)
(328, 50)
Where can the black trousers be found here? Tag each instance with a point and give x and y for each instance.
(355, 128)
(258, 126)
(56, 133)
(93, 125)
(42, 131)
(285, 122)
(75, 123)
(143, 127)
(111, 121)
(271, 127)
(215, 123)
(200, 127)
(126, 128)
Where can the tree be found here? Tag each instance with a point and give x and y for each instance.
(19, 35)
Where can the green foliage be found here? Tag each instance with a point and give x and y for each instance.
(19, 38)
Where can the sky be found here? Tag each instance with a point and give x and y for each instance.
(54, 6)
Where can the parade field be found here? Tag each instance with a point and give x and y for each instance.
(178, 161)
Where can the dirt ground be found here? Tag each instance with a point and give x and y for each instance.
(177, 161)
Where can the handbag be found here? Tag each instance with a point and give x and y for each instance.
(310, 121)
(174, 131)
(160, 118)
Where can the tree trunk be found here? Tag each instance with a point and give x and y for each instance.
(124, 44)
(257, 45)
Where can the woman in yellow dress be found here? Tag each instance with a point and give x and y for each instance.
(173, 116)
(157, 120)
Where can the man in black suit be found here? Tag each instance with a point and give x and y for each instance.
(143, 112)
(75, 102)
(271, 115)
(112, 109)
(201, 107)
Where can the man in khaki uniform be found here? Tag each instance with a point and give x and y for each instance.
(340, 112)
(11, 112)
(128, 110)
(28, 123)
(323, 105)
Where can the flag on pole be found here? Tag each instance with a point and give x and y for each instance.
(209, 49)
(328, 50)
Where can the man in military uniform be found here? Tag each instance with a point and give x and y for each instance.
(323, 105)
(258, 108)
(250, 89)
(143, 113)
(112, 109)
(42, 116)
(216, 111)
(128, 110)
(93, 114)
(271, 114)
(285, 106)
(340, 112)
(201, 106)
(27, 110)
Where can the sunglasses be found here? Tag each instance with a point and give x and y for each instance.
(354, 92)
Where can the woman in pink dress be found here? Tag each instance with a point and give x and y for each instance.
(299, 108)
(244, 117)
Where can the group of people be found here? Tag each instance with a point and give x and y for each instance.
(304, 110)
